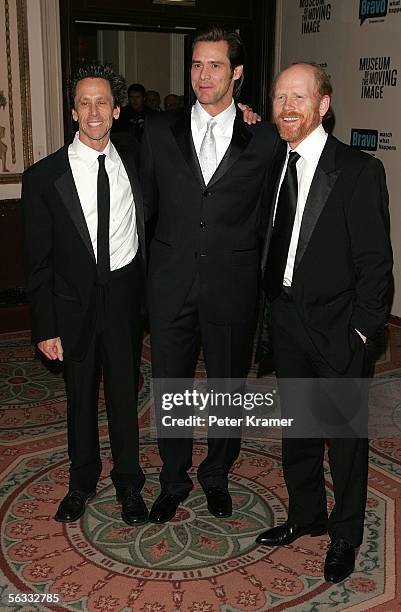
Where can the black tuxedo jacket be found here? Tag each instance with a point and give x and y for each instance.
(60, 262)
(213, 229)
(343, 263)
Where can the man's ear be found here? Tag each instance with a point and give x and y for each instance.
(237, 72)
(74, 114)
(324, 105)
(116, 112)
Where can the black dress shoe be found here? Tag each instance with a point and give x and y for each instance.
(219, 502)
(340, 561)
(133, 508)
(165, 507)
(73, 506)
(288, 533)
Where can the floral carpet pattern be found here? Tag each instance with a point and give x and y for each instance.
(195, 563)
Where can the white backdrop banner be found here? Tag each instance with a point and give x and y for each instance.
(358, 43)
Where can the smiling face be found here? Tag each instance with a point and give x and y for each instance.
(94, 110)
(298, 108)
(211, 75)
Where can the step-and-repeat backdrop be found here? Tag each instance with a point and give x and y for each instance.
(358, 42)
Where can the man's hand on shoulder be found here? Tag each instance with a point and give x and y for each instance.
(52, 348)
(249, 115)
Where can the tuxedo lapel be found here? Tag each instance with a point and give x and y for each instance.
(276, 173)
(182, 133)
(277, 169)
(324, 179)
(67, 191)
(239, 141)
(128, 161)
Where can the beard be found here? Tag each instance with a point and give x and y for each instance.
(295, 132)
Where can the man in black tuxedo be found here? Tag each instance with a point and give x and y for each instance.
(327, 278)
(84, 243)
(203, 171)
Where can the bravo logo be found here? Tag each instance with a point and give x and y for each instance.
(369, 9)
(364, 139)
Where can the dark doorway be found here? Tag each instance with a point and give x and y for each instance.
(85, 22)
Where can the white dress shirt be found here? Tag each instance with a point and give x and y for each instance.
(123, 233)
(222, 132)
(310, 151)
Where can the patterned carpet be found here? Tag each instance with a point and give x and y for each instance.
(195, 563)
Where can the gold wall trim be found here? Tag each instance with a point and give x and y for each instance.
(26, 146)
(25, 82)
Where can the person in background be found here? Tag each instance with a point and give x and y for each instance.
(152, 100)
(172, 102)
(132, 116)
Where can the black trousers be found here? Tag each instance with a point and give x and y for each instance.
(296, 357)
(116, 349)
(227, 351)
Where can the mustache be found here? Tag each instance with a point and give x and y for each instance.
(289, 116)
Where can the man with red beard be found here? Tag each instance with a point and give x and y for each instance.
(327, 276)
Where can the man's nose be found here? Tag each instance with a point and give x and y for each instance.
(205, 72)
(289, 103)
(93, 109)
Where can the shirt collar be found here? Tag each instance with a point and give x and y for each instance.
(312, 146)
(88, 155)
(223, 119)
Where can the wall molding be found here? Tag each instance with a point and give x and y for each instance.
(14, 42)
(51, 49)
(177, 49)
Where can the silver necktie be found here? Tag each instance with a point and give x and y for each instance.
(207, 153)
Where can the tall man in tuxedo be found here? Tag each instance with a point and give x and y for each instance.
(203, 170)
(327, 277)
(84, 242)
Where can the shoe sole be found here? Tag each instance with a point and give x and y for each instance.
(59, 520)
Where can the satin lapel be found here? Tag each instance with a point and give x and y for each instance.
(239, 141)
(182, 133)
(277, 169)
(324, 179)
(128, 161)
(67, 190)
(276, 173)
